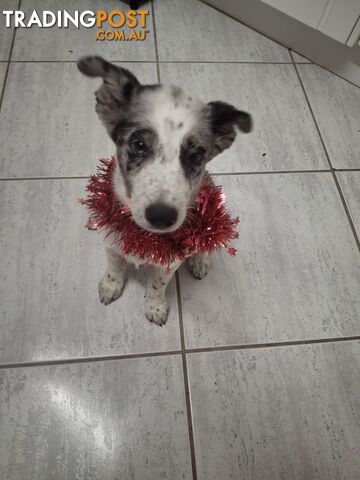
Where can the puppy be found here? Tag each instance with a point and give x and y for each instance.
(164, 139)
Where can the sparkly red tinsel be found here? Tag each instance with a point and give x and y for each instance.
(207, 227)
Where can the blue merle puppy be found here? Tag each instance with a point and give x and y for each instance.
(164, 138)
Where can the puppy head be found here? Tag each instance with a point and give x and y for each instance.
(163, 138)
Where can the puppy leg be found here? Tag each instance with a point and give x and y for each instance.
(112, 283)
(156, 306)
(199, 265)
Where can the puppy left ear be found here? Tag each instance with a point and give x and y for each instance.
(224, 119)
(114, 95)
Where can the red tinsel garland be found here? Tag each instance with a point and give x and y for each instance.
(207, 227)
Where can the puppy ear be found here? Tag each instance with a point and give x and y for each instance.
(224, 118)
(114, 95)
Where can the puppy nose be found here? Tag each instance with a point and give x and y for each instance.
(161, 216)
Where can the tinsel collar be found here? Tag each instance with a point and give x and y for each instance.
(207, 227)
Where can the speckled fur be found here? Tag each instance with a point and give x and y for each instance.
(181, 135)
(161, 177)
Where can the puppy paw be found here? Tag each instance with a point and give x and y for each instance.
(199, 265)
(110, 288)
(156, 312)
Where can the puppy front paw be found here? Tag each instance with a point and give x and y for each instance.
(110, 288)
(199, 265)
(156, 312)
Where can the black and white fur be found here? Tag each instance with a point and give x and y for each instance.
(164, 139)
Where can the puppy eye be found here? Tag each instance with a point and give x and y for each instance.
(138, 147)
(195, 157)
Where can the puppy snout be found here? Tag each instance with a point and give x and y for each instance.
(161, 216)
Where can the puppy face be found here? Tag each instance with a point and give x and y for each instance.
(163, 138)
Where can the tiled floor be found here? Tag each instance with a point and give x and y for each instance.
(256, 374)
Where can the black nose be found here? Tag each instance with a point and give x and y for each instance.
(161, 216)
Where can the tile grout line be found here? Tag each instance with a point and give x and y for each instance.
(233, 62)
(186, 351)
(75, 61)
(333, 171)
(258, 346)
(276, 41)
(213, 174)
(186, 379)
(312, 113)
(8, 63)
(346, 208)
(12, 179)
(155, 42)
(352, 32)
(221, 62)
(105, 358)
(268, 172)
